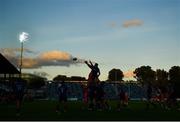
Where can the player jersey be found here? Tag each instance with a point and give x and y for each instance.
(62, 89)
(19, 86)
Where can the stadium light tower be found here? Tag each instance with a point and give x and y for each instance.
(22, 38)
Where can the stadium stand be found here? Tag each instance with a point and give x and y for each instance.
(112, 90)
(75, 91)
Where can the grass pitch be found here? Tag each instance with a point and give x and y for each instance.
(45, 110)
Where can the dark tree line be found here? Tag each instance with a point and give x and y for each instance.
(115, 75)
(160, 77)
(174, 78)
(65, 78)
(145, 74)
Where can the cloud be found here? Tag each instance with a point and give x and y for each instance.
(50, 58)
(13, 55)
(29, 63)
(15, 51)
(41, 73)
(55, 55)
(54, 58)
(133, 22)
(129, 74)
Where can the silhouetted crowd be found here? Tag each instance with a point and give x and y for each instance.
(165, 97)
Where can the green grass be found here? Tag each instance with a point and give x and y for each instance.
(45, 110)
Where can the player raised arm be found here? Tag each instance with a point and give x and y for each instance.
(89, 65)
(99, 73)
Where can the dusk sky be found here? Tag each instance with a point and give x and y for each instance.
(123, 34)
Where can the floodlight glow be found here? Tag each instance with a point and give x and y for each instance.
(23, 36)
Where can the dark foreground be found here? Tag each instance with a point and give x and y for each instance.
(45, 110)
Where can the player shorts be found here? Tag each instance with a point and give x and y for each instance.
(62, 98)
(19, 96)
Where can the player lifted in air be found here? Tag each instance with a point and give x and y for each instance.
(92, 80)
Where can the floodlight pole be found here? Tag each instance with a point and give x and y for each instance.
(21, 58)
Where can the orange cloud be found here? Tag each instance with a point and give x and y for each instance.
(29, 63)
(55, 55)
(133, 22)
(129, 74)
(51, 58)
(13, 55)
